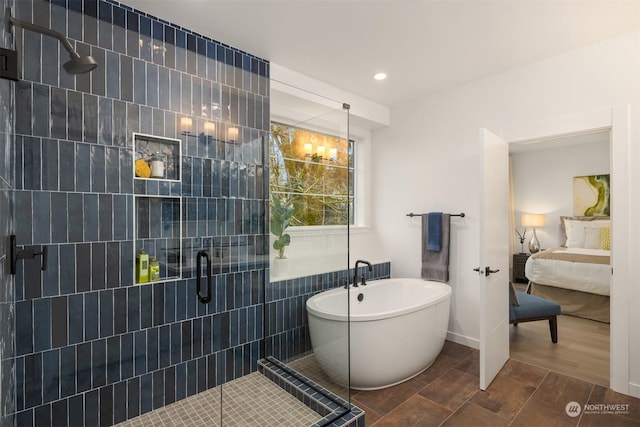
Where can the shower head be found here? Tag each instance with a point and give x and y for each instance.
(76, 65)
(80, 64)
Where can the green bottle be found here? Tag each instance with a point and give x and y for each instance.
(154, 269)
(142, 267)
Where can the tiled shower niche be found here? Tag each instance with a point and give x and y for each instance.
(160, 157)
(158, 219)
(158, 233)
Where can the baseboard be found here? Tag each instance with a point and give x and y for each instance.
(634, 390)
(464, 340)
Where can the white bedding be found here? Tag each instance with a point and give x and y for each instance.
(577, 276)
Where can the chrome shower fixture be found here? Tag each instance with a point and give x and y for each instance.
(76, 65)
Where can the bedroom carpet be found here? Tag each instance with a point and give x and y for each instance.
(447, 394)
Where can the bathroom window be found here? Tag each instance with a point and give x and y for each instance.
(314, 173)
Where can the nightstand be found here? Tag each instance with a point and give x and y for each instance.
(519, 260)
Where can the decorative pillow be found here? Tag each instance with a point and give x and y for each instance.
(572, 228)
(574, 234)
(513, 295)
(605, 238)
(592, 237)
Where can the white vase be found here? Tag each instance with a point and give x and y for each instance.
(279, 267)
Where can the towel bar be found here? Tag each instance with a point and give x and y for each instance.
(462, 215)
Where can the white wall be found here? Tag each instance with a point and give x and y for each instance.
(543, 183)
(428, 160)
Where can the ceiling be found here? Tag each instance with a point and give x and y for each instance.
(423, 46)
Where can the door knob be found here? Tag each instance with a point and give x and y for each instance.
(488, 271)
(477, 269)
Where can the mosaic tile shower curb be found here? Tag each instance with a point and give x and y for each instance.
(335, 410)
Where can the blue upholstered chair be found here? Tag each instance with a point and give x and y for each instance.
(524, 307)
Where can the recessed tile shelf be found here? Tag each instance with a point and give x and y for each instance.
(158, 230)
(162, 155)
(158, 219)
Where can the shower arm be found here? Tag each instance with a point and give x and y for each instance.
(42, 30)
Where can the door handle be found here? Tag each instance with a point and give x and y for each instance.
(477, 269)
(488, 271)
(203, 298)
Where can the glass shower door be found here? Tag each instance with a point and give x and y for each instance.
(7, 296)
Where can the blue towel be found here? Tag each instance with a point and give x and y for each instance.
(434, 242)
(435, 264)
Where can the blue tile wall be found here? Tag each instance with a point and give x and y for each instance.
(91, 347)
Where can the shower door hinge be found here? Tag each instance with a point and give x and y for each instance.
(9, 64)
(18, 253)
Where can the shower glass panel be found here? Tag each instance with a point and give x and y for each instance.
(326, 200)
(310, 158)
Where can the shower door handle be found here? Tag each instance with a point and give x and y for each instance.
(203, 298)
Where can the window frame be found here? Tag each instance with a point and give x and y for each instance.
(310, 230)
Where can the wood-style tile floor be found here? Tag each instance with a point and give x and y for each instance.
(447, 394)
(582, 350)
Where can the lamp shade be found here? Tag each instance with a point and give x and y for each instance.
(533, 220)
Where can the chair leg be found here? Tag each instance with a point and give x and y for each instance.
(553, 328)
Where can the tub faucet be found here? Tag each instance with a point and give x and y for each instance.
(355, 272)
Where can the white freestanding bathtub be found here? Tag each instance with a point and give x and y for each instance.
(397, 328)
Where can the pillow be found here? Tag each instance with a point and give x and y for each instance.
(572, 228)
(582, 219)
(513, 295)
(574, 234)
(592, 237)
(605, 238)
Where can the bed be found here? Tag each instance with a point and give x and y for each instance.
(577, 276)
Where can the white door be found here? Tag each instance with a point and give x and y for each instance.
(494, 256)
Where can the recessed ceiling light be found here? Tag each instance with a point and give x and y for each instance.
(379, 76)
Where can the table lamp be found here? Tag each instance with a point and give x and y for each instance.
(533, 221)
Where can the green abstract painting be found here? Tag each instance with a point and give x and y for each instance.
(591, 195)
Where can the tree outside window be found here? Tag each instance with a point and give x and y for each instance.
(314, 173)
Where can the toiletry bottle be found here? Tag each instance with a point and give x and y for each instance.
(142, 267)
(154, 269)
